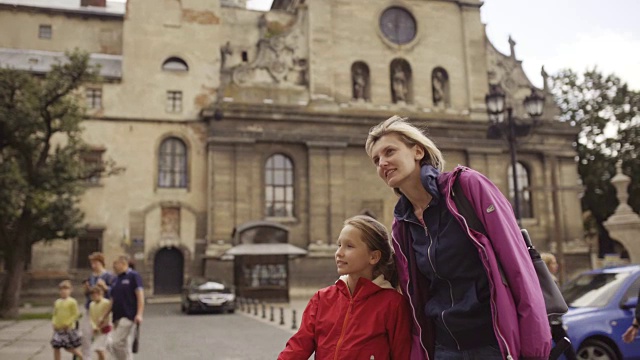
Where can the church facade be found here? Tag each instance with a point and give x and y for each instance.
(227, 120)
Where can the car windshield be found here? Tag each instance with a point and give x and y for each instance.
(593, 290)
(205, 285)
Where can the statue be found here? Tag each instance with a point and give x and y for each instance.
(545, 78)
(224, 52)
(439, 84)
(359, 84)
(399, 85)
(512, 47)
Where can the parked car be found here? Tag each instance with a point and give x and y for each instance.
(200, 295)
(601, 308)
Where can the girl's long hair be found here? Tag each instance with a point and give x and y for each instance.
(376, 236)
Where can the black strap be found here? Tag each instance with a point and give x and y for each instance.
(465, 208)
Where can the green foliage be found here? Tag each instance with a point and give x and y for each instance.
(42, 173)
(608, 114)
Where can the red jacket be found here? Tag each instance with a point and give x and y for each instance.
(374, 323)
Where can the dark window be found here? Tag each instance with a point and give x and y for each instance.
(398, 25)
(175, 64)
(524, 183)
(94, 98)
(89, 242)
(45, 32)
(93, 165)
(245, 58)
(172, 164)
(174, 101)
(279, 186)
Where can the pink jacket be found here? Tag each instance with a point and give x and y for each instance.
(519, 315)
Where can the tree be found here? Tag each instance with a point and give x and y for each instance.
(608, 114)
(42, 173)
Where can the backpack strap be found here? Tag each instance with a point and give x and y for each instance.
(465, 208)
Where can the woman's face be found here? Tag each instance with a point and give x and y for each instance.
(395, 161)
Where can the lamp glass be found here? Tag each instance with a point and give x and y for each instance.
(534, 104)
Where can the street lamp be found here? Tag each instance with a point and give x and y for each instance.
(512, 129)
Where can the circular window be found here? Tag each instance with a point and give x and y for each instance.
(398, 25)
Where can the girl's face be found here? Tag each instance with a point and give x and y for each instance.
(353, 256)
(395, 161)
(96, 296)
(65, 292)
(553, 266)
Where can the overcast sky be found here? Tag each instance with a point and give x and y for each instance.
(577, 34)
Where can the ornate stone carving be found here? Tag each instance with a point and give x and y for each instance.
(281, 57)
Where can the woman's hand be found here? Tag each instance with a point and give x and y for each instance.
(630, 334)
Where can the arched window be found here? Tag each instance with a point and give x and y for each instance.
(278, 175)
(401, 82)
(172, 164)
(524, 192)
(175, 64)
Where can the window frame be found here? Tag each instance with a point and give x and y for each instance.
(178, 177)
(526, 203)
(45, 31)
(90, 97)
(279, 193)
(174, 101)
(96, 234)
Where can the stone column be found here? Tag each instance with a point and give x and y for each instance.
(326, 195)
(624, 224)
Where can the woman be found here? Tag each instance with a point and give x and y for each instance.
(472, 296)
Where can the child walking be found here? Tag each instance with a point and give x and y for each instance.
(362, 316)
(98, 308)
(65, 315)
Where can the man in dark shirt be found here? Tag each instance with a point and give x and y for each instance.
(127, 296)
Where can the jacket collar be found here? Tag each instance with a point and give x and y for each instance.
(429, 179)
(364, 287)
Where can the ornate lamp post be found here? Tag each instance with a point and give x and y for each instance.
(511, 129)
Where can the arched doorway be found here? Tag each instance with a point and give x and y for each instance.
(168, 271)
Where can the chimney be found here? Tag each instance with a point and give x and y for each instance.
(96, 3)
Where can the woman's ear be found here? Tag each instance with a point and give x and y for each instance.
(375, 257)
(418, 152)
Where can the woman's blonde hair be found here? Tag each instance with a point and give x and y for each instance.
(547, 258)
(410, 135)
(376, 236)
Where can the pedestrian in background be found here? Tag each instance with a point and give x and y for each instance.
(127, 306)
(99, 275)
(630, 335)
(557, 330)
(65, 315)
(362, 316)
(463, 305)
(100, 324)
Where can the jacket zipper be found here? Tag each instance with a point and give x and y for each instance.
(415, 319)
(433, 267)
(344, 326)
(484, 262)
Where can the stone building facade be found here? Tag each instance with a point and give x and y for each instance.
(223, 116)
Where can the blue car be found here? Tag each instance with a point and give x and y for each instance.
(602, 305)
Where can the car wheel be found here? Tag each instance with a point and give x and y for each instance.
(593, 349)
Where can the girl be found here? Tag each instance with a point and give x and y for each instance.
(464, 306)
(362, 316)
(97, 312)
(65, 315)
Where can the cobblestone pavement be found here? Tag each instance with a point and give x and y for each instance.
(166, 333)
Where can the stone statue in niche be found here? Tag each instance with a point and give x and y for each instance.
(360, 81)
(439, 87)
(399, 85)
(225, 51)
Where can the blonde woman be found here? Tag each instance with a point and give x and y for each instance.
(462, 307)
